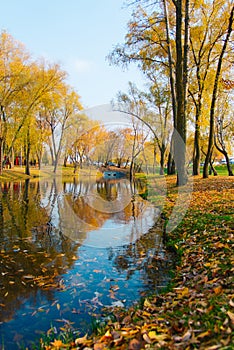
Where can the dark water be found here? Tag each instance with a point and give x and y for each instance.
(70, 248)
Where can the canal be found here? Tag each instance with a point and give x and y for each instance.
(69, 248)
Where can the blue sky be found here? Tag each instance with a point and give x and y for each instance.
(77, 34)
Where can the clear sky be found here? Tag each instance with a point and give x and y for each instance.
(77, 34)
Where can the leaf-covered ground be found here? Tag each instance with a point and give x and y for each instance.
(197, 311)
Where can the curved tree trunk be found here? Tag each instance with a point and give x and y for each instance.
(214, 97)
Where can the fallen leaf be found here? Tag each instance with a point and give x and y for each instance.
(106, 336)
(57, 344)
(186, 336)
(157, 337)
(82, 340)
(147, 304)
(218, 290)
(231, 316)
(204, 334)
(134, 345)
(147, 338)
(99, 346)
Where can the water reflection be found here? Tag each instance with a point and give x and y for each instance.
(108, 211)
(62, 249)
(32, 254)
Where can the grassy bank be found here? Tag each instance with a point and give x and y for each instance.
(17, 173)
(197, 311)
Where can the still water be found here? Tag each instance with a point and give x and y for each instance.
(70, 248)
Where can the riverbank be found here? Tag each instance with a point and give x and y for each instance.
(197, 310)
(18, 173)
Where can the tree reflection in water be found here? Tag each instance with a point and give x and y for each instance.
(32, 253)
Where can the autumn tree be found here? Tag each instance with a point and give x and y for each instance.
(85, 142)
(147, 43)
(224, 127)
(153, 110)
(136, 110)
(225, 41)
(205, 49)
(61, 104)
(14, 77)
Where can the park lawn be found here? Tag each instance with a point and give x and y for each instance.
(197, 309)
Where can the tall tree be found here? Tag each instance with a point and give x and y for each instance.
(181, 74)
(215, 92)
(205, 48)
(148, 42)
(14, 77)
(59, 107)
(223, 126)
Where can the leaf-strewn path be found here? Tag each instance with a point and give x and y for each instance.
(198, 310)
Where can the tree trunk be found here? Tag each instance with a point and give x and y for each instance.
(197, 147)
(162, 156)
(131, 171)
(51, 153)
(230, 172)
(180, 132)
(28, 149)
(65, 161)
(224, 152)
(212, 169)
(0, 156)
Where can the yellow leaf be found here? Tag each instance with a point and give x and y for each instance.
(107, 336)
(231, 316)
(146, 314)
(57, 344)
(218, 290)
(185, 291)
(182, 291)
(204, 334)
(158, 337)
(81, 340)
(147, 338)
(152, 335)
(58, 306)
(147, 303)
